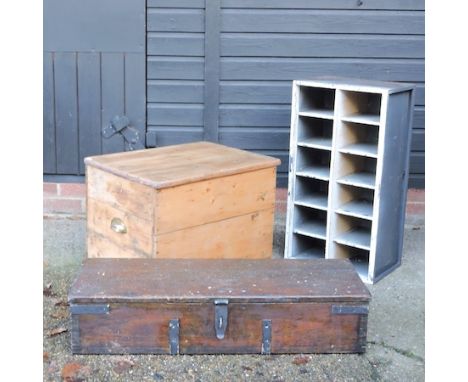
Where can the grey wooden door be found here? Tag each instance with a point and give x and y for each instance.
(222, 70)
(94, 70)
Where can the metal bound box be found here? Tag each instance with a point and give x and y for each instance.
(200, 200)
(167, 306)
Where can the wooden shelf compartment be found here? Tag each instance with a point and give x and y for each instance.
(361, 107)
(307, 248)
(315, 133)
(359, 139)
(354, 201)
(310, 222)
(312, 193)
(353, 232)
(313, 163)
(316, 102)
(356, 170)
(358, 257)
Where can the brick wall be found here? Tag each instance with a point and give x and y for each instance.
(68, 200)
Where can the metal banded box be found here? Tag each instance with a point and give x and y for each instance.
(196, 200)
(186, 306)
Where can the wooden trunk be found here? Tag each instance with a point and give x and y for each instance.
(171, 306)
(198, 200)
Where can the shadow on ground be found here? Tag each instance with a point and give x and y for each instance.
(395, 348)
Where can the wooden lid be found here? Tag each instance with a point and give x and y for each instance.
(164, 280)
(180, 164)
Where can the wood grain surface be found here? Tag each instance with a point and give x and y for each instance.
(180, 164)
(166, 280)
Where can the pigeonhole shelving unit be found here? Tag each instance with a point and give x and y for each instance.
(348, 174)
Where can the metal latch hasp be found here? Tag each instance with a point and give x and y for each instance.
(221, 317)
(120, 124)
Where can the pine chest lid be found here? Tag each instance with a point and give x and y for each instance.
(180, 164)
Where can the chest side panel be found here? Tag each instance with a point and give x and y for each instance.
(214, 200)
(245, 236)
(144, 328)
(119, 216)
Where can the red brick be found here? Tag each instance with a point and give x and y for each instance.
(281, 207)
(281, 194)
(49, 189)
(72, 189)
(61, 206)
(415, 195)
(415, 209)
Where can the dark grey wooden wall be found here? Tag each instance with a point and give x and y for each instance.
(222, 69)
(94, 69)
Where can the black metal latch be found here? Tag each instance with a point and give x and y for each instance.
(221, 317)
(121, 125)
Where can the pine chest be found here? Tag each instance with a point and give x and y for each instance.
(196, 200)
(186, 306)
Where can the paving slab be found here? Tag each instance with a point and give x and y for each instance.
(395, 348)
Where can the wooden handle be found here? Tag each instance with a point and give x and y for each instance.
(117, 225)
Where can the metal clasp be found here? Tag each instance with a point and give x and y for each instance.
(221, 317)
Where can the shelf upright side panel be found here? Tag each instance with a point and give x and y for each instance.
(391, 184)
(331, 250)
(292, 170)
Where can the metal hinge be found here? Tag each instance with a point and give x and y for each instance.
(266, 337)
(89, 309)
(221, 317)
(350, 309)
(174, 336)
(121, 125)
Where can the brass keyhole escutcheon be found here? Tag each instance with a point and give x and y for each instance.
(118, 226)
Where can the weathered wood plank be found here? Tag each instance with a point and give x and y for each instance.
(135, 95)
(48, 136)
(175, 20)
(214, 200)
(175, 114)
(321, 45)
(416, 181)
(175, 44)
(139, 232)
(175, 68)
(120, 193)
(176, 3)
(272, 92)
(303, 68)
(66, 113)
(417, 163)
(246, 236)
(171, 91)
(212, 70)
(113, 95)
(322, 21)
(94, 26)
(170, 135)
(89, 105)
(266, 115)
(326, 4)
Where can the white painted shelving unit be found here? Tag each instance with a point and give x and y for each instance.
(349, 157)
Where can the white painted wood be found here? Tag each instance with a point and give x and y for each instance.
(359, 179)
(356, 151)
(357, 208)
(313, 200)
(315, 229)
(364, 149)
(316, 172)
(368, 119)
(316, 143)
(357, 238)
(317, 113)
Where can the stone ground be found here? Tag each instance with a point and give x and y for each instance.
(395, 347)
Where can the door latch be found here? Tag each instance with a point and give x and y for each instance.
(120, 124)
(221, 317)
